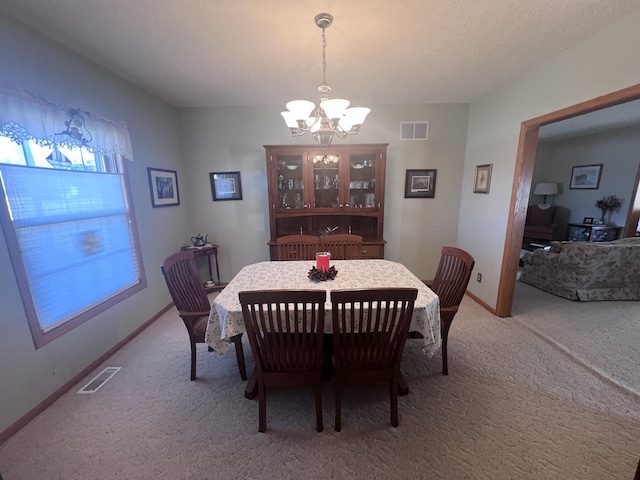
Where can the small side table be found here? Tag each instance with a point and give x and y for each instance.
(584, 232)
(209, 250)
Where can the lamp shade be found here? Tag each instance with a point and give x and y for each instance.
(301, 109)
(290, 119)
(335, 107)
(546, 189)
(357, 115)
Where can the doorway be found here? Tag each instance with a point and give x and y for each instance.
(521, 188)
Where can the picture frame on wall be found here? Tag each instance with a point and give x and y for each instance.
(163, 185)
(225, 186)
(482, 179)
(586, 177)
(420, 183)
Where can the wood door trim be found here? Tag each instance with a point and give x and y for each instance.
(525, 160)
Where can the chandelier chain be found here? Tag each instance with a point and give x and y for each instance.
(324, 59)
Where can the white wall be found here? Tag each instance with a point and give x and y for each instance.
(232, 139)
(36, 64)
(608, 60)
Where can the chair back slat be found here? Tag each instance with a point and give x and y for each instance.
(285, 328)
(452, 276)
(297, 247)
(342, 246)
(370, 327)
(184, 282)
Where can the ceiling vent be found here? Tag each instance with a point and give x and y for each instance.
(99, 380)
(414, 130)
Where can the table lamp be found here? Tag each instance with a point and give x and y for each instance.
(546, 189)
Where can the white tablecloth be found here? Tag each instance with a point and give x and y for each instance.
(225, 319)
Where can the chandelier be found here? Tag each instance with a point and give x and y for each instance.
(331, 116)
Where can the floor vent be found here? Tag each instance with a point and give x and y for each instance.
(414, 130)
(99, 380)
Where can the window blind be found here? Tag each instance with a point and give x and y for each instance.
(74, 235)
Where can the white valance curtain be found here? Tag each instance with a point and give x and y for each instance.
(24, 117)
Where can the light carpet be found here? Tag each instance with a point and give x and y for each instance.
(603, 335)
(514, 406)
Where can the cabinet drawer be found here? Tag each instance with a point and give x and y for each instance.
(372, 251)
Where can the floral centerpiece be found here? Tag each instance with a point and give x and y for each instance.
(609, 203)
(316, 275)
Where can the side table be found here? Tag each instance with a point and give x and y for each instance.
(209, 250)
(584, 232)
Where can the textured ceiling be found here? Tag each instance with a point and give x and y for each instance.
(198, 53)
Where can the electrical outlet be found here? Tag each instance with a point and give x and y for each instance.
(479, 278)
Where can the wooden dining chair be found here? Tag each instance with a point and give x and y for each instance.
(370, 329)
(285, 329)
(190, 298)
(297, 247)
(342, 246)
(450, 283)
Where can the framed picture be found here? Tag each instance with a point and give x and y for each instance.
(164, 187)
(482, 180)
(586, 177)
(226, 186)
(587, 220)
(420, 184)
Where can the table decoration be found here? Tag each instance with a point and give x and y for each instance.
(322, 260)
(608, 204)
(316, 275)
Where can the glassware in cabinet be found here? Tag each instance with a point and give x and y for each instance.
(290, 180)
(326, 180)
(362, 180)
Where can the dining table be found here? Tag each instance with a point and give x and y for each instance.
(226, 320)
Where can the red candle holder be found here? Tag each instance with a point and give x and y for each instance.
(322, 261)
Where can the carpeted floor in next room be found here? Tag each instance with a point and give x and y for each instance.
(605, 336)
(518, 404)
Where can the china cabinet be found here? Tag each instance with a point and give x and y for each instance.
(319, 192)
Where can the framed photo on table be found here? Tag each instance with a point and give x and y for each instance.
(420, 184)
(164, 187)
(226, 186)
(586, 177)
(482, 180)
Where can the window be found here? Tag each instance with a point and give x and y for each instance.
(69, 224)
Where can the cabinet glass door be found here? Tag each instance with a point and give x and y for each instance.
(362, 181)
(290, 182)
(326, 180)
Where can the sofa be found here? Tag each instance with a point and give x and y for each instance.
(586, 271)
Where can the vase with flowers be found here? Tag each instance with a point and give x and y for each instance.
(608, 204)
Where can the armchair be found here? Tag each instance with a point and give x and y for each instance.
(540, 222)
(190, 298)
